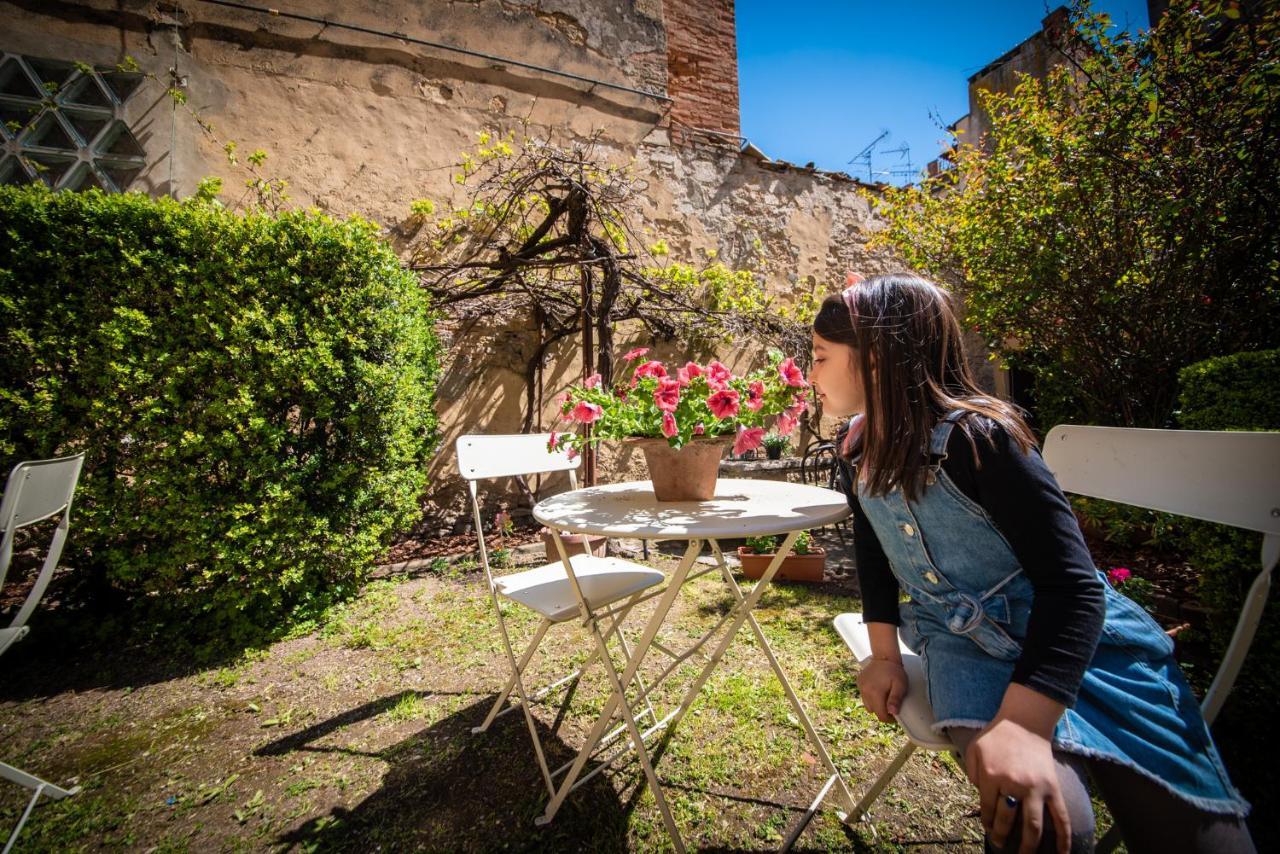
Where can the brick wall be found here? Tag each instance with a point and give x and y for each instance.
(702, 63)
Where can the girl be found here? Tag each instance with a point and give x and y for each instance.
(1035, 668)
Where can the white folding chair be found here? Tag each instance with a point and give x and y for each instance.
(1218, 476)
(914, 714)
(552, 591)
(36, 491)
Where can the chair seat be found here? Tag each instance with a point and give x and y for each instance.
(915, 716)
(603, 580)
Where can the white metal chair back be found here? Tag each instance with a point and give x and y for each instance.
(37, 490)
(484, 457)
(1228, 477)
(481, 457)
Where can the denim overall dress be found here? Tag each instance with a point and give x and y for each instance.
(967, 618)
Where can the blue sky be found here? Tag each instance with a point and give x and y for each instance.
(819, 79)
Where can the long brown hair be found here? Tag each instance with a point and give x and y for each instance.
(909, 356)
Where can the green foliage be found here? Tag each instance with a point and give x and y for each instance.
(769, 545)
(1126, 525)
(254, 394)
(1122, 218)
(776, 442)
(1238, 392)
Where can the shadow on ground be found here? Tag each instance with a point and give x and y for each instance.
(447, 789)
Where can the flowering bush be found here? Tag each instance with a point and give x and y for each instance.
(1136, 588)
(695, 401)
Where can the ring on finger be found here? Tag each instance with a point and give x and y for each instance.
(1010, 801)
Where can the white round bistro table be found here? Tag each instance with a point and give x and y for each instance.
(739, 509)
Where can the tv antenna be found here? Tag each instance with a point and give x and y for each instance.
(906, 170)
(863, 157)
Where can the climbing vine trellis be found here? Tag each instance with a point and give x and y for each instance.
(548, 232)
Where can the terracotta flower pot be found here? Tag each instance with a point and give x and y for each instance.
(573, 544)
(688, 474)
(805, 567)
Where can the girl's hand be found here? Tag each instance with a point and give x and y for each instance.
(1013, 756)
(883, 684)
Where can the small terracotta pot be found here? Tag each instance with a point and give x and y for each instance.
(688, 474)
(573, 544)
(805, 567)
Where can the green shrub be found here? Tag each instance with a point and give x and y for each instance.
(254, 394)
(1238, 392)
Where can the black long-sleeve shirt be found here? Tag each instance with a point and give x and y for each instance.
(1024, 501)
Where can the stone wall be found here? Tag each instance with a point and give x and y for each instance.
(359, 123)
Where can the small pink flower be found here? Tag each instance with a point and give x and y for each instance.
(669, 427)
(667, 395)
(748, 439)
(724, 403)
(791, 375)
(586, 413)
(755, 395)
(573, 453)
(718, 375)
(698, 429)
(551, 443)
(648, 369)
(592, 381)
(635, 354)
(1119, 575)
(786, 424)
(796, 409)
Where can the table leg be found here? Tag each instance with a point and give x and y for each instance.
(842, 791)
(617, 696)
(741, 611)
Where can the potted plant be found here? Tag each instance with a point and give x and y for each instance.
(805, 563)
(775, 444)
(683, 420)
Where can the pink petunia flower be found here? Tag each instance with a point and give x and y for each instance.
(648, 369)
(669, 427)
(748, 439)
(592, 381)
(698, 429)
(667, 395)
(573, 453)
(796, 409)
(786, 424)
(718, 375)
(1119, 575)
(791, 375)
(689, 373)
(755, 395)
(724, 403)
(635, 354)
(551, 443)
(586, 413)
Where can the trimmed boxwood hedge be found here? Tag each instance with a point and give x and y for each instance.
(1237, 392)
(254, 393)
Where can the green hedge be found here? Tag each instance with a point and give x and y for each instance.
(254, 393)
(1237, 392)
